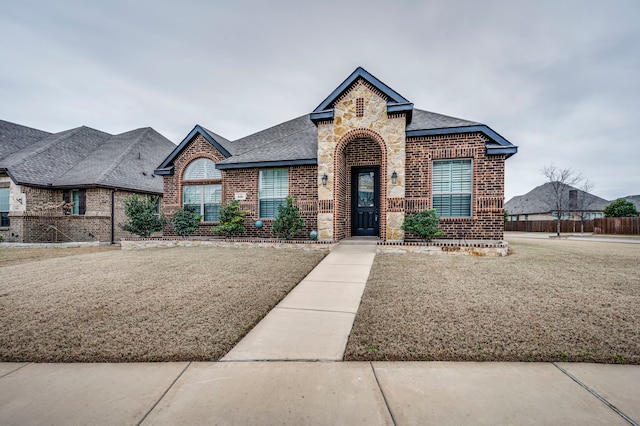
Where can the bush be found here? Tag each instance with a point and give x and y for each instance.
(185, 221)
(289, 221)
(424, 224)
(1, 238)
(143, 215)
(620, 208)
(231, 218)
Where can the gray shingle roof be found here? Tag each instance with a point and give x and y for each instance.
(295, 139)
(86, 157)
(423, 120)
(537, 201)
(14, 137)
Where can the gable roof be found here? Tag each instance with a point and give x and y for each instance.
(295, 142)
(635, 199)
(537, 201)
(86, 157)
(396, 103)
(221, 144)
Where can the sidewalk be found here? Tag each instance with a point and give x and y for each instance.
(324, 393)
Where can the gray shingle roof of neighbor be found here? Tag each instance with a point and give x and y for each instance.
(14, 137)
(86, 157)
(537, 201)
(635, 199)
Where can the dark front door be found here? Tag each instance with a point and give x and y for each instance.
(365, 199)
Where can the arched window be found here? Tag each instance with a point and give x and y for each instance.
(204, 198)
(202, 169)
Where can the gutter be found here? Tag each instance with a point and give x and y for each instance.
(113, 216)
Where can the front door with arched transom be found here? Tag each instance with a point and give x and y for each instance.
(365, 201)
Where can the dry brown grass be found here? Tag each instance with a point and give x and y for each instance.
(15, 256)
(157, 304)
(551, 300)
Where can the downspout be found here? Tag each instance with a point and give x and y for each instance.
(113, 216)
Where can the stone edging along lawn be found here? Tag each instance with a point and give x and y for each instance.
(454, 247)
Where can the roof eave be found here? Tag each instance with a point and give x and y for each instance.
(506, 147)
(257, 164)
(167, 164)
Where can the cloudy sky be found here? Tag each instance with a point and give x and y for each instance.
(560, 79)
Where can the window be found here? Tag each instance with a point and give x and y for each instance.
(4, 207)
(204, 198)
(79, 199)
(202, 169)
(452, 182)
(273, 191)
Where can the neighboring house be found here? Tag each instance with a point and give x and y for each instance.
(537, 205)
(70, 186)
(356, 165)
(635, 199)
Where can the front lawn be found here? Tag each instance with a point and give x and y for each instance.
(551, 300)
(150, 305)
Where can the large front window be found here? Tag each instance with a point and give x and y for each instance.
(204, 200)
(203, 197)
(451, 188)
(274, 188)
(4, 207)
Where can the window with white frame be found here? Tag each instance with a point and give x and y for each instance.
(451, 187)
(204, 198)
(4, 207)
(273, 191)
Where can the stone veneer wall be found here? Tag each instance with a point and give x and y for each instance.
(360, 113)
(487, 220)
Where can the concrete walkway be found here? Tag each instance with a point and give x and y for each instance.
(314, 321)
(319, 393)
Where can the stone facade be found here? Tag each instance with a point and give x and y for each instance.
(360, 128)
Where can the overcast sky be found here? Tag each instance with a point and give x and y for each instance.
(559, 79)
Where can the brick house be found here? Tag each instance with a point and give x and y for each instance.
(356, 165)
(70, 186)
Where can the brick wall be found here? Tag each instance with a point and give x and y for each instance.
(487, 220)
(302, 186)
(44, 220)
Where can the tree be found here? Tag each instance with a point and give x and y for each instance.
(583, 202)
(424, 223)
(185, 221)
(143, 216)
(289, 220)
(231, 218)
(561, 182)
(620, 208)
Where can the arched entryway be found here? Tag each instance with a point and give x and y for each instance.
(360, 185)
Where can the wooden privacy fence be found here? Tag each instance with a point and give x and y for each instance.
(607, 225)
(617, 225)
(548, 226)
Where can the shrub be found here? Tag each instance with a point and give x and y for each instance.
(231, 218)
(143, 216)
(620, 208)
(1, 238)
(424, 224)
(185, 221)
(289, 221)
